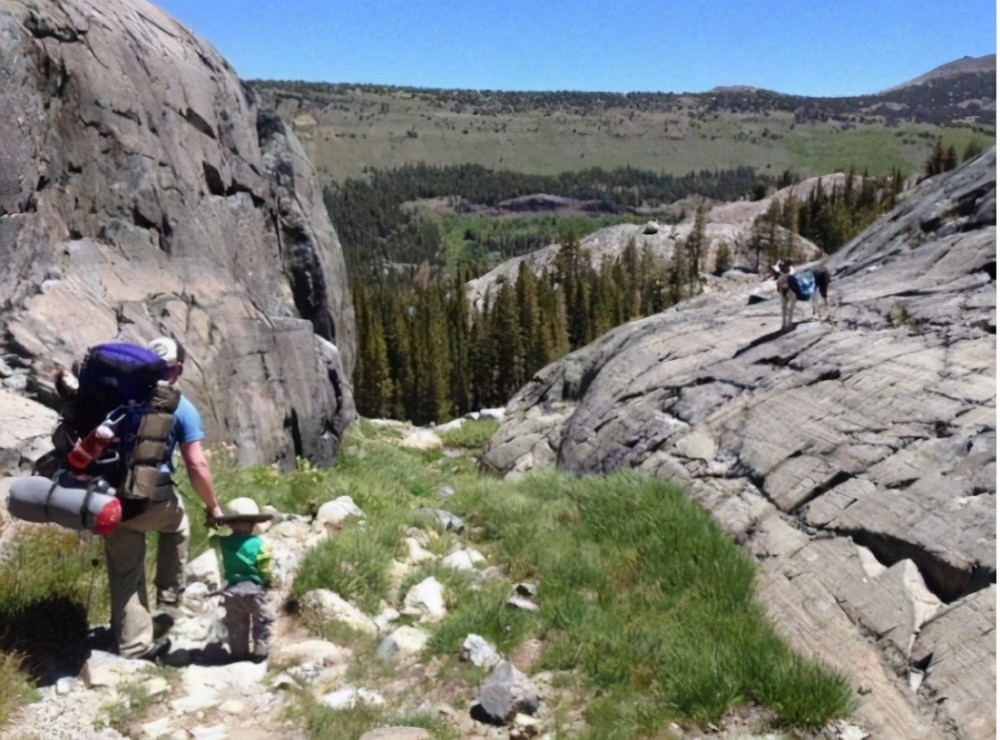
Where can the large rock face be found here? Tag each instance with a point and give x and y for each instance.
(855, 457)
(143, 192)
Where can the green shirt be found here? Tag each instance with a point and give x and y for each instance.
(245, 557)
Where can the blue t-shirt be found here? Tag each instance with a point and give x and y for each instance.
(187, 428)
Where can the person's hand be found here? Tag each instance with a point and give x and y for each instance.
(212, 516)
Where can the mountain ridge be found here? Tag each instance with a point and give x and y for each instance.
(967, 64)
(964, 65)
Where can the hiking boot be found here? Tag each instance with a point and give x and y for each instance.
(153, 650)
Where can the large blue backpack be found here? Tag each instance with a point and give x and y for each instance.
(117, 382)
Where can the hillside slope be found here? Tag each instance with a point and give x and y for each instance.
(345, 128)
(854, 457)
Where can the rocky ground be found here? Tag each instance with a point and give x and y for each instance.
(197, 692)
(854, 454)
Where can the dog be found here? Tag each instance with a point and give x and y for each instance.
(792, 289)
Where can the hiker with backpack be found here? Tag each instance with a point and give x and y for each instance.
(110, 473)
(162, 512)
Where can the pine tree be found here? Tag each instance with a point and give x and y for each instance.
(372, 381)
(527, 289)
(578, 311)
(459, 348)
(509, 343)
(723, 258)
(552, 302)
(950, 159)
(695, 246)
(973, 149)
(935, 163)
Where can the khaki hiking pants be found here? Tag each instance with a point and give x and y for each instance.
(125, 552)
(248, 614)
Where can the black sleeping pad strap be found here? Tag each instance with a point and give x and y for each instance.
(48, 498)
(91, 485)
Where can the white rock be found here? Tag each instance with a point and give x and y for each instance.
(465, 559)
(159, 728)
(330, 607)
(232, 706)
(520, 602)
(205, 568)
(697, 444)
(197, 591)
(333, 513)
(156, 685)
(314, 651)
(397, 733)
(105, 669)
(426, 601)
(416, 553)
(349, 697)
(478, 651)
(450, 426)
(404, 641)
(385, 619)
(215, 732)
(422, 439)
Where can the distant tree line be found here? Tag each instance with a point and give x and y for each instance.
(426, 354)
(376, 231)
(940, 101)
(947, 100)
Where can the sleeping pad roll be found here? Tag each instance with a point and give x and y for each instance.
(88, 505)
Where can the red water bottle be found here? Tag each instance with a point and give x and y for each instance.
(88, 449)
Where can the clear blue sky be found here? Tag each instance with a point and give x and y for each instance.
(806, 47)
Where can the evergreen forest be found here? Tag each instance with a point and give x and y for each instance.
(427, 354)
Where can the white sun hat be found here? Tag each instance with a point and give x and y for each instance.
(165, 347)
(241, 507)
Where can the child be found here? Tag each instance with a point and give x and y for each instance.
(246, 567)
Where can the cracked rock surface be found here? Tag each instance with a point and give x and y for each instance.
(854, 457)
(143, 191)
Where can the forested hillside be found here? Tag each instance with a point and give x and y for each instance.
(426, 353)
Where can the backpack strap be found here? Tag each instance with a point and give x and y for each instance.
(152, 438)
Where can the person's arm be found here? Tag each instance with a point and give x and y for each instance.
(264, 565)
(201, 476)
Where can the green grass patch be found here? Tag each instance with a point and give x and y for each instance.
(819, 150)
(472, 435)
(641, 594)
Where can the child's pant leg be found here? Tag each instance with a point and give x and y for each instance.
(263, 618)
